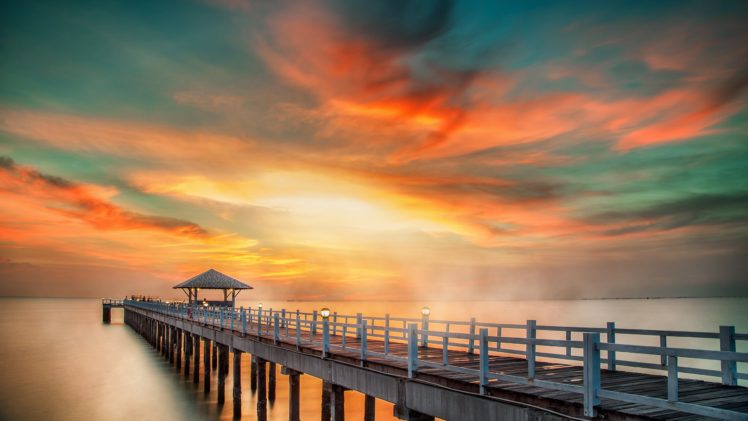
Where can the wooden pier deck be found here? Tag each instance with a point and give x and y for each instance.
(468, 372)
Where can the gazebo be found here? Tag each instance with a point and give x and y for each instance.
(213, 279)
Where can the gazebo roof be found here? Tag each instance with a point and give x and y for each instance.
(213, 279)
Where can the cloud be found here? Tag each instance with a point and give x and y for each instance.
(689, 211)
(84, 202)
(157, 143)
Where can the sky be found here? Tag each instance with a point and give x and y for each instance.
(375, 150)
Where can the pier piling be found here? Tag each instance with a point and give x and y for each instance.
(253, 374)
(261, 390)
(206, 366)
(338, 403)
(293, 395)
(187, 353)
(237, 383)
(196, 359)
(326, 401)
(271, 382)
(369, 408)
(179, 349)
(223, 361)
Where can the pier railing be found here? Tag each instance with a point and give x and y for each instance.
(580, 345)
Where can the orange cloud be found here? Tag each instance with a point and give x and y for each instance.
(85, 203)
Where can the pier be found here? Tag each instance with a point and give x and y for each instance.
(456, 370)
(107, 305)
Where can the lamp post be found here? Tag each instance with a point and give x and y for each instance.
(425, 311)
(325, 312)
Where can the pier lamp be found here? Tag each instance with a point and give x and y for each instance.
(205, 302)
(259, 305)
(425, 312)
(325, 312)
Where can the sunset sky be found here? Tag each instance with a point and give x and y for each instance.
(375, 149)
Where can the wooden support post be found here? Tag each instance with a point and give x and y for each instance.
(293, 396)
(214, 357)
(727, 343)
(179, 349)
(222, 357)
(326, 400)
(591, 373)
(672, 378)
(483, 344)
(261, 390)
(172, 344)
(271, 382)
(253, 374)
(412, 350)
(338, 403)
(206, 366)
(237, 383)
(611, 339)
(196, 354)
(369, 408)
(107, 314)
(187, 353)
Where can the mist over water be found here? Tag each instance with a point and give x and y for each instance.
(59, 361)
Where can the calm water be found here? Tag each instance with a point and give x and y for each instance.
(58, 361)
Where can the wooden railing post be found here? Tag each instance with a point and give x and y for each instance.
(314, 322)
(335, 323)
(672, 378)
(471, 341)
(283, 319)
(325, 337)
(591, 373)
(727, 343)
(244, 320)
(221, 318)
(530, 348)
(386, 334)
(483, 360)
(276, 327)
(663, 344)
(298, 329)
(358, 324)
(259, 321)
(425, 328)
(568, 344)
(412, 349)
(610, 337)
(445, 349)
(364, 334)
